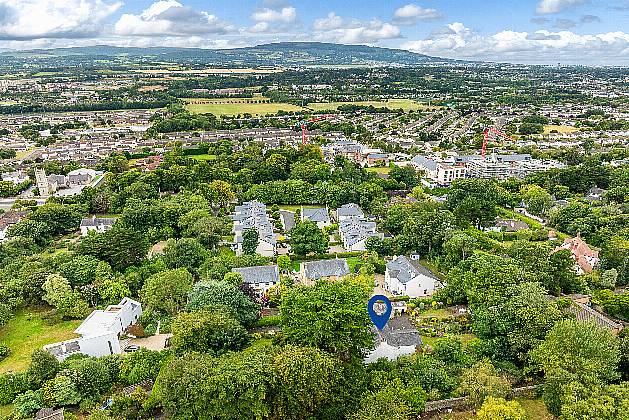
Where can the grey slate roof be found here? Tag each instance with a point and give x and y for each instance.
(350, 210)
(252, 215)
(288, 219)
(510, 225)
(259, 274)
(355, 230)
(319, 214)
(326, 268)
(49, 414)
(425, 162)
(98, 221)
(405, 269)
(585, 313)
(399, 332)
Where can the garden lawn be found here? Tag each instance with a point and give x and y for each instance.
(27, 332)
(201, 158)
(295, 207)
(380, 170)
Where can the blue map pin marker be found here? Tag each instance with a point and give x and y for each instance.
(379, 320)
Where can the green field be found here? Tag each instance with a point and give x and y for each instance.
(405, 104)
(379, 170)
(559, 129)
(27, 332)
(236, 106)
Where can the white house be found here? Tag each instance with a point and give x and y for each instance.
(260, 278)
(439, 172)
(97, 224)
(349, 211)
(407, 277)
(319, 215)
(100, 331)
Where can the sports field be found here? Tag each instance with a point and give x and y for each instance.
(559, 129)
(405, 104)
(236, 106)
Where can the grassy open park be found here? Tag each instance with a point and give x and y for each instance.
(28, 331)
(405, 104)
(559, 128)
(236, 106)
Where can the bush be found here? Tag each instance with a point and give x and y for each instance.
(4, 352)
(136, 331)
(28, 403)
(12, 384)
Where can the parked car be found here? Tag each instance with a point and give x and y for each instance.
(131, 348)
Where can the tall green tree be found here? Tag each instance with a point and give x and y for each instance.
(306, 238)
(329, 315)
(167, 291)
(208, 331)
(250, 241)
(303, 381)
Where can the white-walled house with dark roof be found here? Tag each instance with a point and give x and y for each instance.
(318, 215)
(407, 277)
(260, 278)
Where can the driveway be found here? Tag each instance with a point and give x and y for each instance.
(155, 342)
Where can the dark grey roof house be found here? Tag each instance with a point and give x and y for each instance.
(319, 215)
(315, 270)
(259, 274)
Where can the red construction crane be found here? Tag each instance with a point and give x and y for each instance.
(490, 133)
(303, 123)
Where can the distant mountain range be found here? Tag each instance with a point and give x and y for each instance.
(275, 54)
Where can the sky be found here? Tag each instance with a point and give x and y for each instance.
(589, 32)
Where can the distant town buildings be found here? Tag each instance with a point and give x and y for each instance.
(66, 185)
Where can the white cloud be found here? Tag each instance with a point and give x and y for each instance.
(331, 21)
(286, 14)
(411, 13)
(169, 17)
(334, 28)
(33, 19)
(457, 41)
(556, 6)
